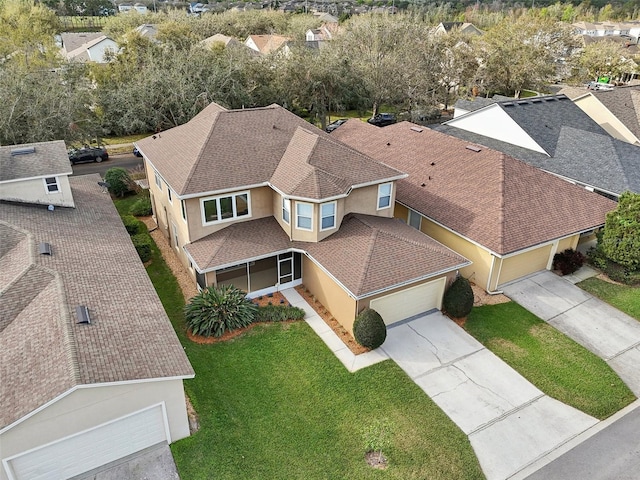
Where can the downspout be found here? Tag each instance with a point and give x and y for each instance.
(489, 291)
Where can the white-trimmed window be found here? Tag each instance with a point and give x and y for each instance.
(225, 207)
(304, 216)
(384, 195)
(169, 194)
(286, 210)
(414, 219)
(51, 185)
(327, 216)
(158, 180)
(183, 206)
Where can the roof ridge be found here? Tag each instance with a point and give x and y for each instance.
(69, 337)
(371, 238)
(501, 194)
(194, 166)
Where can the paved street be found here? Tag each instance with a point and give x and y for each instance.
(126, 160)
(612, 453)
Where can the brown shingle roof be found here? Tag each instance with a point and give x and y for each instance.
(95, 264)
(230, 149)
(269, 43)
(366, 254)
(486, 196)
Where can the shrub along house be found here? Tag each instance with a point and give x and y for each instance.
(507, 217)
(263, 200)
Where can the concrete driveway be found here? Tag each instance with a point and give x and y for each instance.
(597, 326)
(510, 423)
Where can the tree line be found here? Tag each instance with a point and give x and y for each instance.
(376, 60)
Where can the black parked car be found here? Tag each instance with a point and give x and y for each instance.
(382, 119)
(333, 125)
(88, 154)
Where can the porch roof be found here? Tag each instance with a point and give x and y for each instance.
(367, 254)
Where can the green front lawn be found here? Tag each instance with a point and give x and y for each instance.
(549, 359)
(275, 403)
(623, 297)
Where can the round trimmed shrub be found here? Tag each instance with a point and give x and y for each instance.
(118, 180)
(458, 299)
(369, 329)
(216, 310)
(133, 225)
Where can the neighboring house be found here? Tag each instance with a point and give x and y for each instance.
(553, 134)
(463, 27)
(261, 199)
(317, 38)
(91, 369)
(616, 111)
(128, 7)
(221, 39)
(148, 31)
(608, 29)
(325, 17)
(507, 217)
(36, 173)
(140, 8)
(87, 47)
(268, 44)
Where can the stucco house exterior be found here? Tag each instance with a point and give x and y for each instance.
(507, 217)
(91, 369)
(261, 199)
(36, 173)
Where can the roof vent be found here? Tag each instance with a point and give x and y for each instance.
(23, 150)
(523, 102)
(536, 100)
(416, 129)
(44, 248)
(508, 104)
(82, 313)
(473, 148)
(562, 97)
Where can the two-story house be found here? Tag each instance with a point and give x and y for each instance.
(261, 199)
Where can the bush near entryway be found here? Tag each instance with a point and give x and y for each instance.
(369, 329)
(568, 261)
(458, 299)
(216, 310)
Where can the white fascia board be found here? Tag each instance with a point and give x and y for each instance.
(38, 177)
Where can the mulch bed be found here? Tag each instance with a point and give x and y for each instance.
(325, 315)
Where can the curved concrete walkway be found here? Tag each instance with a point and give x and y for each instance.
(510, 423)
(594, 324)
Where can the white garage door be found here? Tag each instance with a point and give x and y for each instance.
(411, 301)
(90, 449)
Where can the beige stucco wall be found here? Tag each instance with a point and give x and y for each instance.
(478, 271)
(569, 242)
(364, 303)
(86, 408)
(601, 115)
(329, 293)
(365, 200)
(34, 191)
(523, 264)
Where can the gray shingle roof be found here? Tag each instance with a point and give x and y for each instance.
(486, 196)
(478, 102)
(366, 254)
(225, 149)
(624, 103)
(597, 160)
(73, 41)
(49, 159)
(43, 351)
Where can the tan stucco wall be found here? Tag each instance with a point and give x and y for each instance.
(86, 408)
(364, 303)
(365, 200)
(601, 115)
(330, 294)
(478, 271)
(569, 242)
(33, 191)
(523, 264)
(401, 212)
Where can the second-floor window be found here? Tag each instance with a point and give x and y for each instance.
(158, 180)
(184, 210)
(384, 195)
(327, 216)
(226, 207)
(286, 210)
(304, 216)
(169, 193)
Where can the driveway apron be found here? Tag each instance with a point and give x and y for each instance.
(594, 324)
(510, 423)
